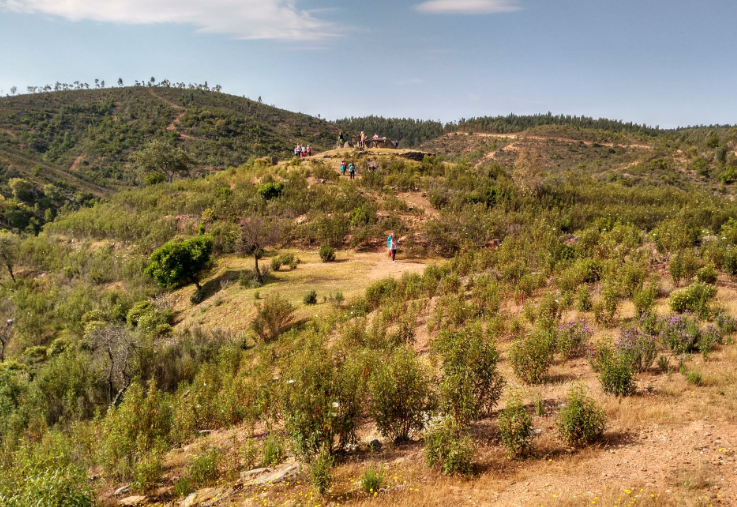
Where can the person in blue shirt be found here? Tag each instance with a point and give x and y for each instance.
(342, 168)
(352, 170)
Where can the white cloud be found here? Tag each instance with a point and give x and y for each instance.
(243, 19)
(468, 6)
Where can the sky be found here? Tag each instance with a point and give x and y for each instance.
(659, 62)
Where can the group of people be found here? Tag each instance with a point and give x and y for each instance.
(302, 151)
(362, 139)
(350, 167)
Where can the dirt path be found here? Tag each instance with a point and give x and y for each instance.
(6, 131)
(77, 161)
(169, 103)
(416, 200)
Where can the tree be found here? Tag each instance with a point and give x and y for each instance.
(120, 81)
(181, 262)
(114, 347)
(9, 251)
(258, 233)
(22, 189)
(13, 89)
(161, 157)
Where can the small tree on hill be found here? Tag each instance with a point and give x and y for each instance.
(181, 262)
(9, 251)
(257, 234)
(160, 157)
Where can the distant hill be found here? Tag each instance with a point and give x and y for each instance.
(80, 141)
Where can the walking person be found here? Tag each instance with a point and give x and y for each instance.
(304, 151)
(309, 150)
(391, 242)
(352, 171)
(342, 168)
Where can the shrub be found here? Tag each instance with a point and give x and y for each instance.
(448, 448)
(605, 310)
(272, 317)
(276, 264)
(471, 383)
(203, 469)
(321, 471)
(310, 298)
(581, 421)
(695, 298)
(617, 376)
(664, 364)
(372, 479)
(730, 261)
(644, 299)
(680, 333)
(639, 348)
(694, 377)
(708, 338)
(327, 253)
(532, 356)
(273, 450)
(583, 299)
(573, 338)
(708, 274)
(51, 487)
(321, 399)
(400, 395)
(725, 323)
(515, 426)
(147, 472)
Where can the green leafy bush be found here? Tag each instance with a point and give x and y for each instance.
(276, 264)
(321, 471)
(695, 298)
(708, 274)
(51, 487)
(644, 299)
(372, 479)
(532, 356)
(310, 298)
(327, 253)
(273, 450)
(581, 421)
(572, 339)
(180, 262)
(272, 317)
(147, 472)
(203, 469)
(400, 395)
(694, 377)
(515, 426)
(617, 376)
(447, 447)
(471, 383)
(583, 299)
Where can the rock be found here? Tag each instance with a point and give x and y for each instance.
(417, 156)
(536, 432)
(278, 475)
(122, 490)
(375, 445)
(246, 476)
(203, 496)
(133, 500)
(190, 500)
(494, 243)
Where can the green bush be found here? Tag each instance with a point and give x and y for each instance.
(583, 299)
(644, 299)
(708, 274)
(515, 426)
(203, 469)
(327, 253)
(471, 383)
(310, 298)
(532, 356)
(400, 395)
(372, 479)
(581, 421)
(448, 448)
(730, 261)
(51, 487)
(320, 398)
(694, 377)
(273, 450)
(617, 376)
(147, 472)
(572, 339)
(695, 298)
(272, 317)
(276, 264)
(321, 471)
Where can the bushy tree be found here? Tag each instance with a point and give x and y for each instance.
(258, 233)
(9, 251)
(181, 262)
(471, 383)
(159, 156)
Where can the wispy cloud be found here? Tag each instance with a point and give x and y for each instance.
(468, 6)
(243, 19)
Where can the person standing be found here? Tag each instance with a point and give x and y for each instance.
(391, 242)
(309, 151)
(352, 171)
(342, 168)
(362, 142)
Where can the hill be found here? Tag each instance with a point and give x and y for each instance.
(80, 140)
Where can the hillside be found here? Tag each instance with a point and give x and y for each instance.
(80, 141)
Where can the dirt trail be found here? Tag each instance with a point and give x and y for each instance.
(173, 125)
(77, 161)
(6, 131)
(169, 103)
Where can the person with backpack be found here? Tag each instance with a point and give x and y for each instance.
(342, 168)
(391, 243)
(352, 170)
(362, 142)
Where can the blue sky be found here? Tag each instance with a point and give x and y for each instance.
(659, 62)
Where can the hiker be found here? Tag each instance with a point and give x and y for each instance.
(376, 136)
(309, 150)
(391, 243)
(296, 151)
(342, 168)
(362, 142)
(396, 145)
(304, 151)
(341, 139)
(352, 170)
